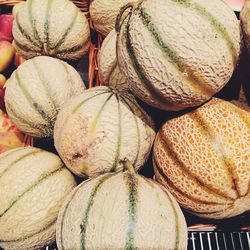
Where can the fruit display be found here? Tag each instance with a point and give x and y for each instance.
(37, 90)
(33, 185)
(51, 28)
(98, 128)
(203, 157)
(142, 216)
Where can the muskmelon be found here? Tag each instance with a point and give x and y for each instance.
(33, 185)
(50, 27)
(121, 211)
(109, 71)
(203, 159)
(98, 128)
(245, 23)
(178, 54)
(36, 92)
(103, 14)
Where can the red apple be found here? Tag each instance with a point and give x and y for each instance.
(2, 105)
(7, 53)
(18, 59)
(6, 23)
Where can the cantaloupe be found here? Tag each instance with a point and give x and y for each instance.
(50, 27)
(36, 92)
(98, 128)
(121, 211)
(103, 14)
(245, 23)
(33, 185)
(203, 159)
(178, 54)
(110, 74)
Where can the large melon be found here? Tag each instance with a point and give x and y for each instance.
(245, 23)
(109, 71)
(178, 54)
(33, 185)
(103, 14)
(121, 211)
(203, 159)
(97, 129)
(36, 92)
(50, 27)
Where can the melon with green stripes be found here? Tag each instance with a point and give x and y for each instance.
(110, 74)
(34, 184)
(36, 92)
(98, 128)
(177, 53)
(121, 211)
(203, 159)
(50, 27)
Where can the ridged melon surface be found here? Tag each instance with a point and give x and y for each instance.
(33, 185)
(203, 159)
(51, 27)
(121, 211)
(103, 14)
(178, 54)
(98, 128)
(36, 92)
(110, 74)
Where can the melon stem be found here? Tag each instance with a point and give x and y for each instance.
(128, 166)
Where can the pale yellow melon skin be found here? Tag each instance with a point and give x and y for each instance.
(203, 159)
(157, 216)
(49, 82)
(88, 139)
(245, 23)
(202, 50)
(110, 74)
(103, 14)
(32, 191)
(30, 43)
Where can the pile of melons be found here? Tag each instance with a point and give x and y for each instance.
(172, 55)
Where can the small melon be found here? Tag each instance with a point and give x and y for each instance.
(34, 184)
(98, 128)
(36, 92)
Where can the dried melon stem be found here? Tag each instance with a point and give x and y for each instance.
(128, 166)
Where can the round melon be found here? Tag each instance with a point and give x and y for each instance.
(34, 184)
(98, 128)
(245, 23)
(53, 28)
(203, 159)
(103, 14)
(121, 211)
(110, 74)
(36, 92)
(178, 54)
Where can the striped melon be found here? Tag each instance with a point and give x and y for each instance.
(178, 54)
(109, 71)
(121, 211)
(33, 185)
(203, 158)
(97, 129)
(50, 27)
(36, 92)
(103, 14)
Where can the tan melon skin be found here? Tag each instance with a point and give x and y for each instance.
(33, 189)
(88, 139)
(103, 14)
(108, 219)
(203, 159)
(34, 41)
(50, 83)
(110, 74)
(245, 23)
(197, 43)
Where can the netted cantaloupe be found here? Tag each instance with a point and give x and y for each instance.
(203, 159)
(36, 92)
(178, 54)
(245, 23)
(98, 128)
(121, 211)
(50, 27)
(103, 14)
(109, 71)
(33, 185)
